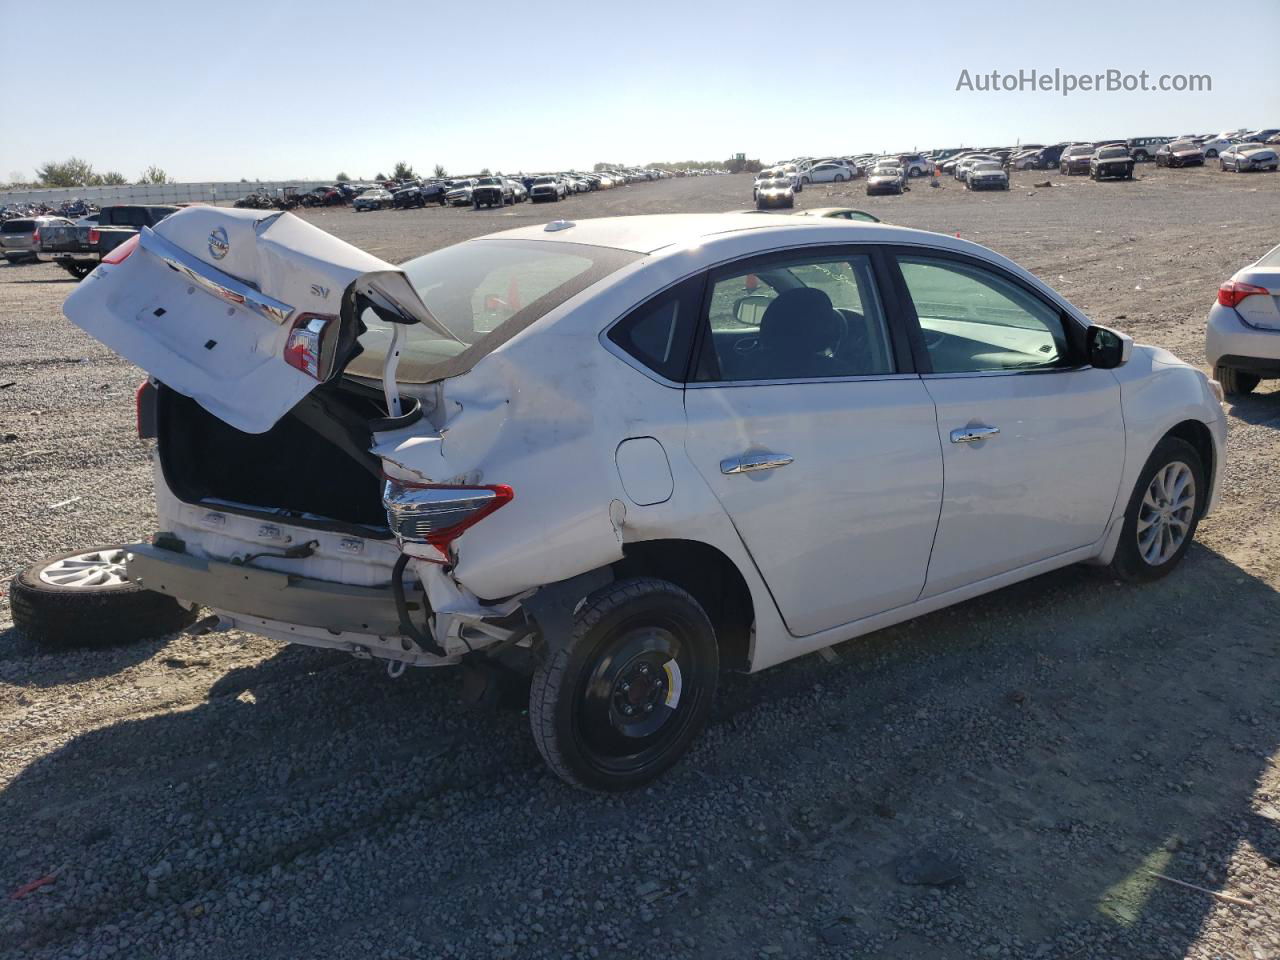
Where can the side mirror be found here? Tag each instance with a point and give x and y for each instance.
(749, 310)
(1107, 348)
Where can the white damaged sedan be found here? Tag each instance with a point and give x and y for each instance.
(620, 455)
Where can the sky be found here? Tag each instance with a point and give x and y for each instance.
(283, 89)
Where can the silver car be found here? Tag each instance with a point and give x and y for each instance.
(1248, 156)
(19, 239)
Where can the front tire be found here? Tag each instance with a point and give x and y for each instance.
(1163, 513)
(82, 599)
(620, 701)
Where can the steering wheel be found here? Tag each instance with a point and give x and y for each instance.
(932, 338)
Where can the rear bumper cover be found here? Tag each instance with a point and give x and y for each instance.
(1226, 335)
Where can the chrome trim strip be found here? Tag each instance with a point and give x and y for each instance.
(1004, 373)
(212, 280)
(777, 383)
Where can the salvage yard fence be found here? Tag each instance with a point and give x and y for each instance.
(223, 192)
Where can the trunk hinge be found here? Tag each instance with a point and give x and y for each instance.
(390, 388)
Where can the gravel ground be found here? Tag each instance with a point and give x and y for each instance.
(226, 796)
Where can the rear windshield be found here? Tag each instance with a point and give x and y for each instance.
(18, 226)
(484, 292)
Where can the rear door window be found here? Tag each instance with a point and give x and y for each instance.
(804, 317)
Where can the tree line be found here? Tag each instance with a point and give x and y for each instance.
(75, 172)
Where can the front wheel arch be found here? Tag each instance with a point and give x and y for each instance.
(1197, 434)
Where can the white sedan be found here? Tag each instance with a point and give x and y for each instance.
(828, 173)
(621, 454)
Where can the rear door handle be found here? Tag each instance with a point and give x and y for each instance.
(753, 462)
(973, 434)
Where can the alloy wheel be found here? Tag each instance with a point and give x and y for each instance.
(1164, 517)
(99, 568)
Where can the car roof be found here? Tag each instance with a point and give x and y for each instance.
(649, 233)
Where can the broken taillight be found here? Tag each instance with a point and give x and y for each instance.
(144, 407)
(310, 345)
(438, 513)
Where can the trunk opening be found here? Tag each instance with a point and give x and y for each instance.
(312, 469)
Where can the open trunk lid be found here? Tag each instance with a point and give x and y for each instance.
(244, 313)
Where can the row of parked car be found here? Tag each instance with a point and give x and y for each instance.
(495, 191)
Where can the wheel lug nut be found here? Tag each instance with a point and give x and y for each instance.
(648, 708)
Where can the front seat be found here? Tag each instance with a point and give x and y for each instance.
(798, 333)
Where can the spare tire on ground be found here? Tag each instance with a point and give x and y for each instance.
(83, 599)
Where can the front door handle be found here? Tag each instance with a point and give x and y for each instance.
(752, 462)
(973, 434)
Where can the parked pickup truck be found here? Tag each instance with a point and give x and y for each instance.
(78, 249)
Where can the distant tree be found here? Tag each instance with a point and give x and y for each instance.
(440, 172)
(740, 166)
(72, 172)
(342, 178)
(154, 174)
(403, 171)
(244, 179)
(380, 176)
(486, 172)
(113, 178)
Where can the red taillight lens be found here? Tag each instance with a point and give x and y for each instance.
(1233, 291)
(437, 513)
(310, 345)
(121, 253)
(94, 236)
(144, 406)
(35, 238)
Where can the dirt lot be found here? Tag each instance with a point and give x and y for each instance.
(227, 796)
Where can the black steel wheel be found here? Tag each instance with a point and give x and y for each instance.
(619, 701)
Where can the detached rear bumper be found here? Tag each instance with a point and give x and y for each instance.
(268, 595)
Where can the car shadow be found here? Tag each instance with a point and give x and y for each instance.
(26, 663)
(1063, 738)
(1261, 408)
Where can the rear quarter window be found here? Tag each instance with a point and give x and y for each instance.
(659, 334)
(18, 226)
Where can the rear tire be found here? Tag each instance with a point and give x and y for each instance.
(1235, 383)
(621, 699)
(1155, 551)
(89, 604)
